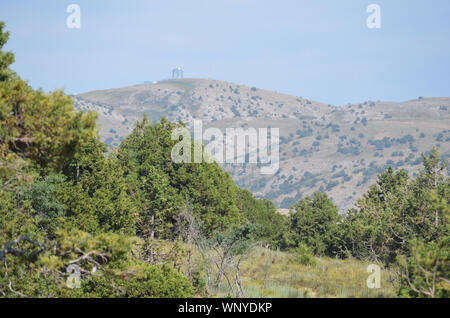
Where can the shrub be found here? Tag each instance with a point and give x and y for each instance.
(304, 255)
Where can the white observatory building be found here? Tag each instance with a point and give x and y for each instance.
(177, 72)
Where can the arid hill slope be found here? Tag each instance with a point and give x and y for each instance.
(338, 150)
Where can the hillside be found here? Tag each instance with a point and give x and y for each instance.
(338, 150)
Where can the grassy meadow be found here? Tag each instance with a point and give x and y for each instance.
(268, 273)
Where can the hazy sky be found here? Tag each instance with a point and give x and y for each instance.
(318, 49)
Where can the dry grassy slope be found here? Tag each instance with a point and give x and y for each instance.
(335, 149)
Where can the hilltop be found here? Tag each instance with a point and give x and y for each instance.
(338, 150)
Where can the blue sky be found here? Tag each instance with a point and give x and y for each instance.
(318, 49)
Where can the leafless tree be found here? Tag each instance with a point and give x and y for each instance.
(222, 254)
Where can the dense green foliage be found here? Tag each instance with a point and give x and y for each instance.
(405, 222)
(271, 227)
(314, 223)
(64, 202)
(165, 187)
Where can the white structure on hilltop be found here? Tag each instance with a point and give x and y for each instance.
(177, 72)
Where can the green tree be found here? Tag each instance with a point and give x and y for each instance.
(43, 204)
(65, 202)
(396, 210)
(270, 225)
(107, 268)
(426, 272)
(6, 58)
(37, 128)
(314, 223)
(97, 194)
(43, 128)
(372, 231)
(405, 223)
(166, 186)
